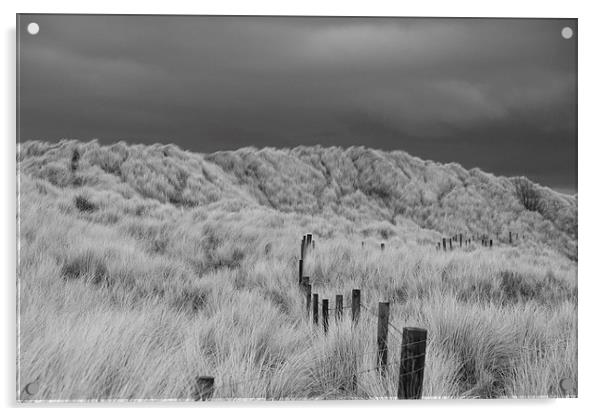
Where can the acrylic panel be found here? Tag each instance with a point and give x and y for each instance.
(296, 208)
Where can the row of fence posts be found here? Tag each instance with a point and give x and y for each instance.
(448, 243)
(413, 348)
(486, 241)
(411, 368)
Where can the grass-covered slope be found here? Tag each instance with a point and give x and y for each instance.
(358, 184)
(142, 267)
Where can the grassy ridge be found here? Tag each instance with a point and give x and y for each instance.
(143, 267)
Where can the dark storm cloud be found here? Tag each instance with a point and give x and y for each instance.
(498, 94)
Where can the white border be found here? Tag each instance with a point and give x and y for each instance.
(590, 114)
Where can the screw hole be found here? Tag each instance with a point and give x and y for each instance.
(33, 28)
(567, 32)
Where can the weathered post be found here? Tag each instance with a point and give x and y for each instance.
(204, 388)
(444, 246)
(315, 309)
(411, 367)
(460, 240)
(382, 331)
(307, 297)
(302, 247)
(300, 271)
(450, 245)
(510, 236)
(490, 243)
(325, 314)
(382, 246)
(338, 313)
(308, 240)
(355, 305)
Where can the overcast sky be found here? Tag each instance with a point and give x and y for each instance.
(499, 94)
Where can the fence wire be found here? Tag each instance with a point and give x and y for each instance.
(389, 323)
(333, 373)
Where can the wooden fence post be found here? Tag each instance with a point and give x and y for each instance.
(382, 246)
(460, 240)
(315, 309)
(490, 243)
(411, 366)
(355, 305)
(204, 388)
(325, 314)
(450, 245)
(308, 240)
(300, 271)
(381, 336)
(338, 313)
(510, 236)
(307, 297)
(302, 247)
(444, 246)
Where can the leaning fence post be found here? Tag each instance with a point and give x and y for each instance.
(381, 336)
(204, 388)
(355, 305)
(300, 271)
(315, 309)
(338, 312)
(411, 366)
(325, 314)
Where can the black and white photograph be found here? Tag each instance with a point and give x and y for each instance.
(295, 208)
